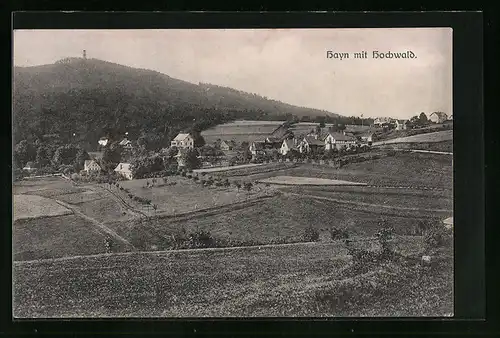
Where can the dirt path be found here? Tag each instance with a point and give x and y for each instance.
(365, 204)
(96, 223)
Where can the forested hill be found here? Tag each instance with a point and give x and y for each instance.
(91, 98)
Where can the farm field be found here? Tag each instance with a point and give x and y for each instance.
(241, 131)
(234, 167)
(402, 169)
(311, 280)
(297, 180)
(30, 206)
(187, 196)
(47, 187)
(437, 136)
(54, 237)
(281, 219)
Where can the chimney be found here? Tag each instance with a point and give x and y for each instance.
(84, 54)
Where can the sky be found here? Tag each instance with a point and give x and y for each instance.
(289, 65)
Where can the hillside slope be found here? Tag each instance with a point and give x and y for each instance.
(90, 97)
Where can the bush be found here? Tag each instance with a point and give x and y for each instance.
(311, 234)
(436, 236)
(203, 173)
(337, 233)
(195, 178)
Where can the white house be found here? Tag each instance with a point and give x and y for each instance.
(367, 137)
(309, 144)
(184, 141)
(257, 147)
(380, 121)
(126, 143)
(103, 141)
(124, 170)
(338, 141)
(227, 145)
(288, 145)
(438, 117)
(91, 166)
(400, 124)
(30, 166)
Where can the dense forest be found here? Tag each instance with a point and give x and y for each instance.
(82, 100)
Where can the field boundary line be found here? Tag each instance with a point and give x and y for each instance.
(366, 204)
(96, 223)
(228, 248)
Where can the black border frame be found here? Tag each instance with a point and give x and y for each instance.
(468, 163)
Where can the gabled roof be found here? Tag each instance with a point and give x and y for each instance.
(401, 121)
(30, 164)
(259, 145)
(181, 137)
(341, 137)
(123, 167)
(313, 142)
(289, 143)
(104, 138)
(273, 139)
(439, 114)
(124, 142)
(230, 143)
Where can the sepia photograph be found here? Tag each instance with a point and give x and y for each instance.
(208, 173)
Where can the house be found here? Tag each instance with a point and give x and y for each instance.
(183, 140)
(91, 166)
(366, 137)
(288, 145)
(310, 144)
(400, 124)
(30, 166)
(103, 141)
(126, 144)
(382, 121)
(226, 145)
(450, 118)
(124, 170)
(339, 141)
(257, 147)
(448, 223)
(438, 117)
(273, 143)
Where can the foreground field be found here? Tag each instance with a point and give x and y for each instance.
(281, 219)
(300, 280)
(54, 237)
(309, 181)
(30, 206)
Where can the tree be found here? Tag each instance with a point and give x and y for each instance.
(111, 157)
(248, 186)
(423, 119)
(24, 152)
(191, 159)
(43, 156)
(237, 184)
(81, 157)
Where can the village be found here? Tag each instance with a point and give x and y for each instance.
(287, 142)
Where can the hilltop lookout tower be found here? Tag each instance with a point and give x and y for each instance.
(84, 54)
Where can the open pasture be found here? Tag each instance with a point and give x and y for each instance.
(187, 196)
(438, 136)
(281, 219)
(402, 169)
(81, 197)
(241, 131)
(307, 181)
(31, 206)
(46, 186)
(54, 237)
(306, 280)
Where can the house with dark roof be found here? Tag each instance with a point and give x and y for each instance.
(257, 147)
(226, 145)
(339, 141)
(310, 144)
(288, 145)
